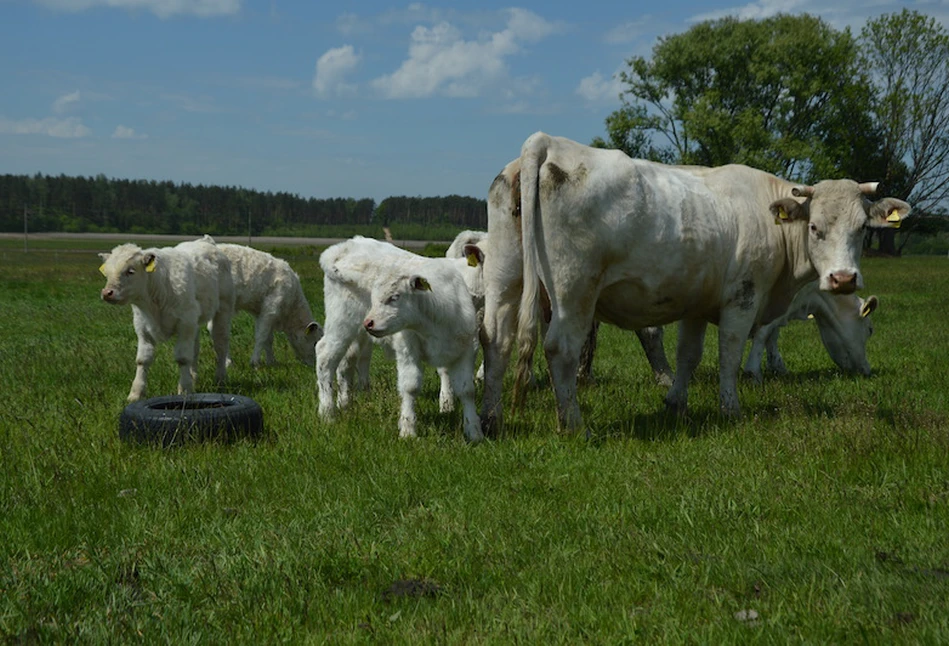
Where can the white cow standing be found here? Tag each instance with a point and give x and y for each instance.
(639, 244)
(269, 289)
(420, 306)
(172, 291)
(843, 321)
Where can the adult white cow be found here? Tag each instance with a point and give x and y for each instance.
(639, 244)
(843, 321)
(172, 291)
(420, 306)
(269, 289)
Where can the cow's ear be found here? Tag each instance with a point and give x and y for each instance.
(420, 284)
(149, 261)
(868, 306)
(788, 210)
(314, 328)
(888, 212)
(474, 255)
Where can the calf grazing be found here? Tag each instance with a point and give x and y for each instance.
(270, 291)
(172, 291)
(842, 320)
(420, 306)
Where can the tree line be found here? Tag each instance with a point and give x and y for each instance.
(104, 205)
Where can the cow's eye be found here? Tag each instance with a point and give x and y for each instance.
(129, 271)
(814, 229)
(392, 299)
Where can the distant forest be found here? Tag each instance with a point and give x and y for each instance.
(102, 205)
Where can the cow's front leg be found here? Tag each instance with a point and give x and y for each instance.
(143, 361)
(410, 383)
(688, 356)
(733, 329)
(186, 356)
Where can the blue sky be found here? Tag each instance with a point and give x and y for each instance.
(328, 99)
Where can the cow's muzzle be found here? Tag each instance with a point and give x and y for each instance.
(843, 282)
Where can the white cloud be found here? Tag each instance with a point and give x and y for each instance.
(627, 32)
(331, 68)
(69, 128)
(596, 89)
(65, 102)
(441, 61)
(124, 132)
(161, 8)
(758, 10)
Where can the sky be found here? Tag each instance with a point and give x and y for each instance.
(329, 99)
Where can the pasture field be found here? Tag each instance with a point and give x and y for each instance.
(822, 516)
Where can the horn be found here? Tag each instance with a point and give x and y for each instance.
(802, 191)
(869, 188)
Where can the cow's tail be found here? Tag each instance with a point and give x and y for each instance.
(533, 155)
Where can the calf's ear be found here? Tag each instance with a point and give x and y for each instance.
(788, 210)
(474, 255)
(420, 284)
(888, 212)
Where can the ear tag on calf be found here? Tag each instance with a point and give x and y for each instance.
(472, 260)
(810, 316)
(894, 219)
(102, 269)
(150, 267)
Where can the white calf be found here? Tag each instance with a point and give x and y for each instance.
(842, 320)
(172, 291)
(270, 291)
(420, 306)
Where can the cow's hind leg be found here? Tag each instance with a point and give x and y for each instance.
(562, 347)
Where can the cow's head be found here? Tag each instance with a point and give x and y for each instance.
(836, 212)
(126, 269)
(395, 305)
(846, 330)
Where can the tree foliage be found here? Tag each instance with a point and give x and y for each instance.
(785, 94)
(907, 56)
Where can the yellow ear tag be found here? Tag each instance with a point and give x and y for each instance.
(102, 269)
(472, 260)
(894, 219)
(150, 267)
(810, 316)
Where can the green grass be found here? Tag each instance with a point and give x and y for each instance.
(825, 509)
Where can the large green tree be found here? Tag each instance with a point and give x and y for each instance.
(907, 57)
(785, 94)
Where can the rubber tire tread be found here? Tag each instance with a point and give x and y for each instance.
(175, 420)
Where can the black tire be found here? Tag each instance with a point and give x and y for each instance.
(174, 420)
